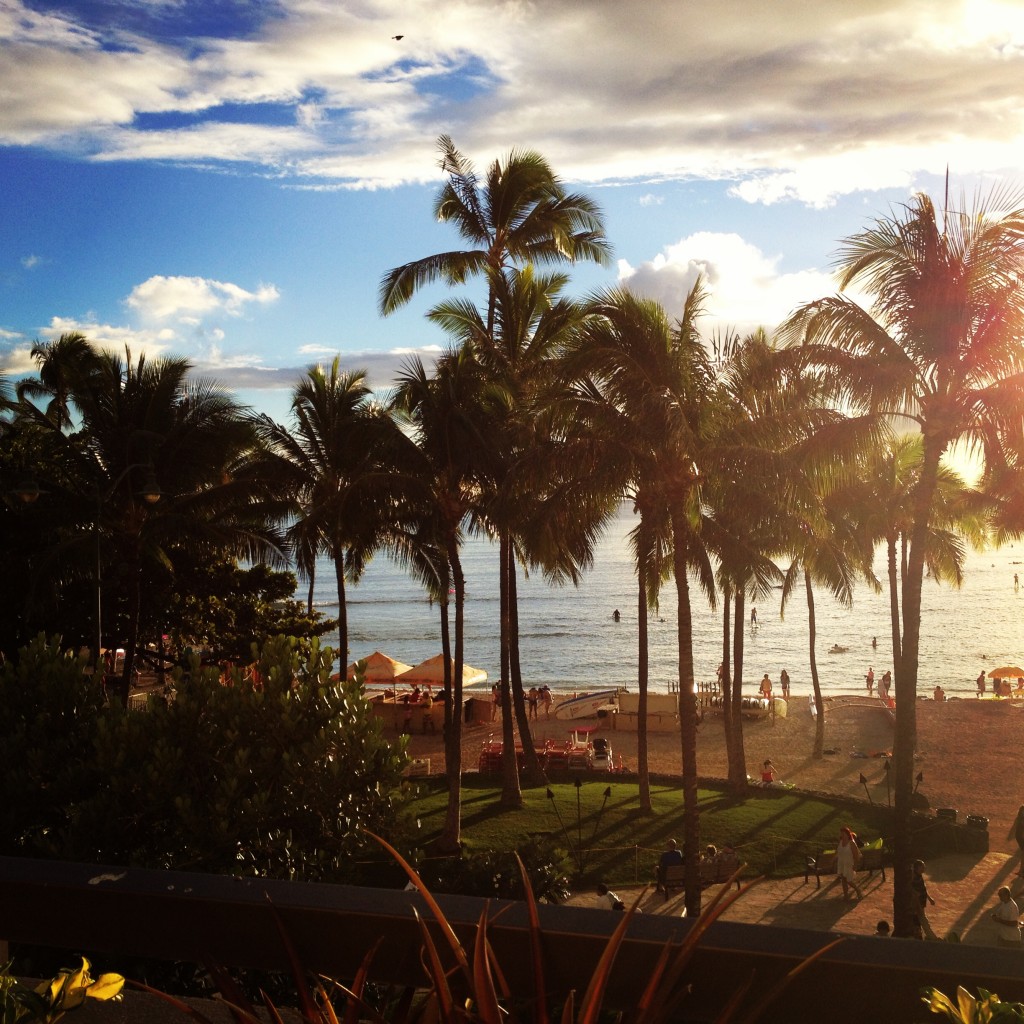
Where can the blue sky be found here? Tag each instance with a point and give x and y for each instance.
(228, 180)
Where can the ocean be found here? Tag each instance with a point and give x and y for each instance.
(570, 641)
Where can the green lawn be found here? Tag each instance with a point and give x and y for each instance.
(773, 830)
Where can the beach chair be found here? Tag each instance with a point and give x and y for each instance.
(602, 755)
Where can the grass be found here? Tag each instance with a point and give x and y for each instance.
(774, 831)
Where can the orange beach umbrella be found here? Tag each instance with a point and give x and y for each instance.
(432, 671)
(1006, 672)
(380, 668)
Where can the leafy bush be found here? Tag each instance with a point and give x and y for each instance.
(49, 712)
(272, 778)
(497, 873)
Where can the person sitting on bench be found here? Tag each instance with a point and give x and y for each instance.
(670, 858)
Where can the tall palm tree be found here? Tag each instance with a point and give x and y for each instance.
(661, 378)
(333, 464)
(520, 213)
(529, 483)
(940, 346)
(446, 415)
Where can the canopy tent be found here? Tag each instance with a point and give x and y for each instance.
(380, 669)
(432, 671)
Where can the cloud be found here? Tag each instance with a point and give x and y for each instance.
(789, 101)
(189, 298)
(29, 262)
(745, 287)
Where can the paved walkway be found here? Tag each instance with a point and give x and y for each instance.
(962, 885)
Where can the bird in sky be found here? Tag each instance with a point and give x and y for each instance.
(398, 37)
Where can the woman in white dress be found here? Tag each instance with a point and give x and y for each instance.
(847, 858)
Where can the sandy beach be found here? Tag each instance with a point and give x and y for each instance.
(968, 752)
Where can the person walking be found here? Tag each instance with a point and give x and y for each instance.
(784, 680)
(981, 683)
(921, 900)
(847, 861)
(766, 686)
(869, 679)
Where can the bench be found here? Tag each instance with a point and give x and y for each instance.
(872, 858)
(711, 873)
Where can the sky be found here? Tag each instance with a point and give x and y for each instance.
(228, 180)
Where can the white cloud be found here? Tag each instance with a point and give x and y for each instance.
(792, 100)
(29, 262)
(188, 299)
(745, 288)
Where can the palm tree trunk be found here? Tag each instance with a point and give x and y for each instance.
(451, 834)
(905, 739)
(894, 608)
(450, 839)
(687, 718)
(511, 794)
(812, 631)
(726, 680)
(533, 774)
(642, 672)
(339, 575)
(738, 755)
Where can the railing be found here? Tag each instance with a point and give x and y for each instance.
(178, 916)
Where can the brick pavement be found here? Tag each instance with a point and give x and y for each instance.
(962, 885)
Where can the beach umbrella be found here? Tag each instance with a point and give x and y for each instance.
(1006, 672)
(432, 671)
(380, 669)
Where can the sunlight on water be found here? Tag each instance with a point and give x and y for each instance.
(569, 640)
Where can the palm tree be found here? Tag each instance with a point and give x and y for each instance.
(880, 505)
(521, 213)
(154, 464)
(333, 463)
(661, 378)
(941, 346)
(529, 483)
(63, 365)
(447, 415)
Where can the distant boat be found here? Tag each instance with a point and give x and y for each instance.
(586, 705)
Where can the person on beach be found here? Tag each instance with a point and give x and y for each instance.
(847, 862)
(768, 773)
(495, 702)
(882, 930)
(981, 682)
(921, 900)
(869, 680)
(884, 684)
(1007, 917)
(766, 686)
(784, 681)
(939, 694)
(545, 699)
(532, 697)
